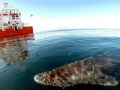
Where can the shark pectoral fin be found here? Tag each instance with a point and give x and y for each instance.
(107, 81)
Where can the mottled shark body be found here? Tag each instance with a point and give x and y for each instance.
(96, 70)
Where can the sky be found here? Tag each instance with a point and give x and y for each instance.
(55, 14)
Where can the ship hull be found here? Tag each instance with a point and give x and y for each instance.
(11, 32)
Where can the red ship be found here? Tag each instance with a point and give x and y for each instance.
(11, 24)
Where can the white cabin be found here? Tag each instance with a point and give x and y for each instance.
(10, 18)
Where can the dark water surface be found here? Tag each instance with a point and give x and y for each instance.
(50, 50)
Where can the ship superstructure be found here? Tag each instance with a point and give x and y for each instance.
(11, 24)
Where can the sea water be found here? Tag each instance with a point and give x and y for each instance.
(52, 49)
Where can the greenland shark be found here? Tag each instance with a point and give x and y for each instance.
(97, 70)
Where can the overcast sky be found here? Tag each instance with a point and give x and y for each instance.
(50, 14)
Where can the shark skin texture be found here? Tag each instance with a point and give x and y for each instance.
(97, 70)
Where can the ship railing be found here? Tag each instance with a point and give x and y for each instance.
(11, 11)
(4, 24)
(26, 24)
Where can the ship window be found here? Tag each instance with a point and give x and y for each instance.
(4, 11)
(8, 11)
(12, 11)
(15, 11)
(16, 16)
(13, 17)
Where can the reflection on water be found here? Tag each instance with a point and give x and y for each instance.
(14, 49)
